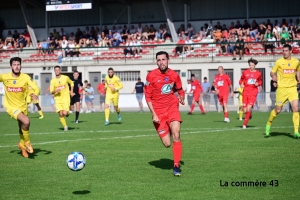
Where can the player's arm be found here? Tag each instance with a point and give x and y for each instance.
(134, 90)
(179, 89)
(230, 86)
(71, 83)
(1, 79)
(120, 85)
(34, 87)
(148, 97)
(259, 80)
(298, 72)
(241, 81)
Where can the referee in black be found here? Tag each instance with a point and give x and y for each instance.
(76, 98)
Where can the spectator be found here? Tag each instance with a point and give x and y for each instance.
(59, 56)
(76, 49)
(139, 29)
(125, 34)
(102, 39)
(16, 35)
(27, 37)
(72, 37)
(189, 93)
(180, 29)
(225, 33)
(110, 37)
(224, 27)
(246, 28)
(137, 49)
(239, 48)
(284, 23)
(291, 23)
(159, 32)
(113, 30)
(45, 47)
(238, 27)
(292, 32)
(78, 35)
(231, 45)
(253, 29)
(180, 45)
(223, 46)
(62, 33)
(261, 32)
(117, 39)
(55, 34)
(132, 30)
(190, 30)
(39, 48)
(276, 23)
(201, 33)
(206, 93)
(120, 30)
(64, 45)
(89, 97)
(217, 35)
(218, 26)
(277, 32)
(151, 33)
(105, 30)
(139, 90)
(166, 34)
(102, 91)
(9, 40)
(128, 48)
(284, 36)
(270, 44)
(188, 47)
(232, 28)
(145, 33)
(70, 48)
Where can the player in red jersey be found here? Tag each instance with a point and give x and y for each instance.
(196, 90)
(250, 80)
(222, 83)
(164, 105)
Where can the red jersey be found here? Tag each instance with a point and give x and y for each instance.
(159, 88)
(196, 86)
(222, 83)
(101, 88)
(248, 79)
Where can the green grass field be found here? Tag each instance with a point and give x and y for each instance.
(127, 160)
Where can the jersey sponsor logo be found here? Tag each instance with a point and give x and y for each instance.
(167, 88)
(251, 81)
(167, 79)
(147, 83)
(14, 82)
(14, 89)
(288, 71)
(61, 87)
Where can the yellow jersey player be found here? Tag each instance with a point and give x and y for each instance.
(35, 102)
(16, 86)
(285, 70)
(112, 85)
(59, 87)
(239, 91)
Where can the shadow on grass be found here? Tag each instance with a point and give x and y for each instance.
(220, 121)
(115, 122)
(79, 121)
(80, 192)
(164, 163)
(69, 128)
(247, 126)
(274, 134)
(34, 154)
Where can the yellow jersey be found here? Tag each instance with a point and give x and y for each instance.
(286, 72)
(112, 82)
(240, 90)
(62, 83)
(16, 89)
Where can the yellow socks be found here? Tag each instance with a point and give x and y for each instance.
(241, 114)
(40, 113)
(22, 142)
(107, 114)
(25, 136)
(118, 110)
(272, 117)
(296, 122)
(63, 121)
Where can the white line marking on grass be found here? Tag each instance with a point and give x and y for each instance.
(137, 136)
(101, 131)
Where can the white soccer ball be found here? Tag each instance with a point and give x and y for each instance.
(76, 161)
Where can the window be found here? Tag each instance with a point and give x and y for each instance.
(128, 75)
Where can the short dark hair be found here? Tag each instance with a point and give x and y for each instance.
(251, 60)
(287, 46)
(86, 81)
(18, 59)
(110, 69)
(192, 75)
(162, 53)
(205, 77)
(57, 67)
(75, 71)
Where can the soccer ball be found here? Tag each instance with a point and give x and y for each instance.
(76, 161)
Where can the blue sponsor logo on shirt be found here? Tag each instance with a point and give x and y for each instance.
(14, 82)
(166, 79)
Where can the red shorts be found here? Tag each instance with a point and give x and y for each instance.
(223, 98)
(249, 100)
(166, 116)
(196, 96)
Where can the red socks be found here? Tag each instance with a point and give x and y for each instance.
(177, 151)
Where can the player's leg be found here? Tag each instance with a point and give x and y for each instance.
(24, 124)
(177, 146)
(192, 106)
(281, 99)
(117, 109)
(36, 103)
(77, 104)
(294, 104)
(62, 119)
(201, 106)
(108, 99)
(21, 144)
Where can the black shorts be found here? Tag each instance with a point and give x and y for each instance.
(102, 98)
(206, 98)
(75, 99)
(189, 99)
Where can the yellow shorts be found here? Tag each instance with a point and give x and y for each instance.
(62, 106)
(240, 101)
(112, 98)
(29, 100)
(286, 94)
(14, 112)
